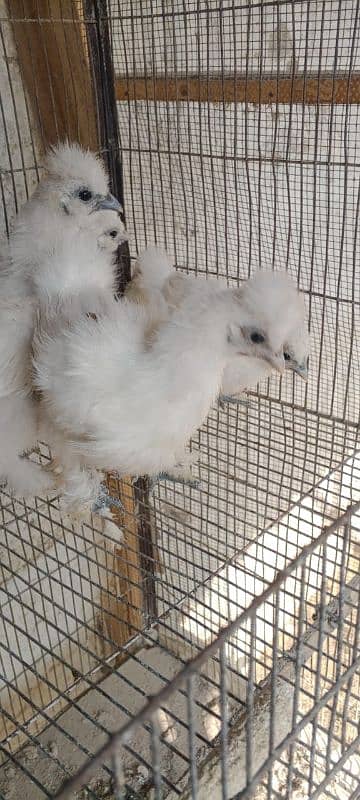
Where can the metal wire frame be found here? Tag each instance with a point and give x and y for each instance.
(331, 616)
(166, 625)
(257, 465)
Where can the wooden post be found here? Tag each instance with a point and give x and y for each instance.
(124, 598)
(54, 64)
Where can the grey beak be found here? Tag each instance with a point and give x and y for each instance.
(109, 203)
(302, 370)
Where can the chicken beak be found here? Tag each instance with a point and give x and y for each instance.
(276, 360)
(110, 203)
(302, 370)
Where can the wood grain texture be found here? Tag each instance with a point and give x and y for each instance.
(54, 64)
(236, 89)
(123, 597)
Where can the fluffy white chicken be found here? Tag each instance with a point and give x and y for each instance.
(156, 280)
(75, 186)
(119, 405)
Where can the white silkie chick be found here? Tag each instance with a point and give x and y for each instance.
(121, 406)
(281, 297)
(74, 188)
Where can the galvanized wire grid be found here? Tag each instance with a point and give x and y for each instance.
(258, 742)
(227, 188)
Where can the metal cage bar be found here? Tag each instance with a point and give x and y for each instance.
(218, 635)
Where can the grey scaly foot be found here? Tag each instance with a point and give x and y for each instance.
(166, 476)
(105, 501)
(233, 399)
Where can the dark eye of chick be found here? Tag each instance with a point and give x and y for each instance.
(113, 234)
(85, 195)
(257, 338)
(287, 356)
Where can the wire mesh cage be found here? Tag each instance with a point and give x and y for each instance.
(207, 639)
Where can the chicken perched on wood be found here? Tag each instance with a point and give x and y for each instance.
(118, 404)
(155, 280)
(72, 197)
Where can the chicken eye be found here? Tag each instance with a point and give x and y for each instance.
(257, 338)
(113, 234)
(287, 356)
(85, 195)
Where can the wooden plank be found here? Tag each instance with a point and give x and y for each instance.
(307, 90)
(123, 597)
(54, 65)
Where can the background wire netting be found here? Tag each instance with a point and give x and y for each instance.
(228, 188)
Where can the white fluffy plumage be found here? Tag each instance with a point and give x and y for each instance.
(151, 273)
(31, 276)
(56, 208)
(119, 405)
(280, 300)
(18, 419)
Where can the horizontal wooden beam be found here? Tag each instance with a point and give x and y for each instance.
(236, 89)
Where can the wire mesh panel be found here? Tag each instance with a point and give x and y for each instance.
(237, 150)
(238, 128)
(291, 725)
(271, 182)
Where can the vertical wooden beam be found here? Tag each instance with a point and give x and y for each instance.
(54, 63)
(123, 596)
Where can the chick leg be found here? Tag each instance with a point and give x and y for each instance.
(105, 501)
(233, 399)
(167, 476)
(180, 473)
(78, 484)
(81, 487)
(85, 492)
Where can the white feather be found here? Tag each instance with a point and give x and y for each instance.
(151, 272)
